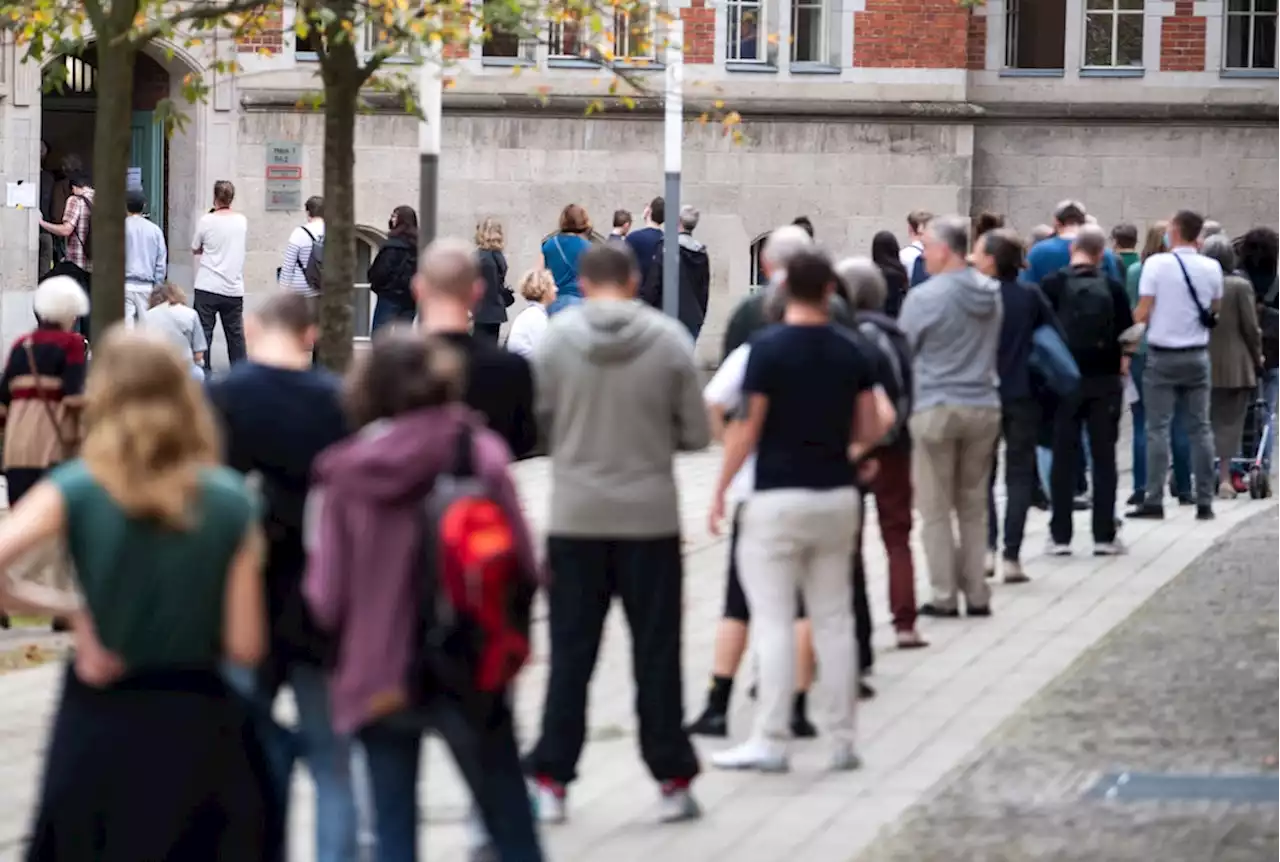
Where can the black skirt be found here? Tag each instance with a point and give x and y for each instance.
(162, 767)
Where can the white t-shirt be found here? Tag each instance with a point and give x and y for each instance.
(909, 254)
(220, 241)
(1175, 322)
(527, 330)
(725, 391)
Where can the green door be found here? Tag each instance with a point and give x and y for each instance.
(146, 158)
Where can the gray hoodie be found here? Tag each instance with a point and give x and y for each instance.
(952, 324)
(617, 396)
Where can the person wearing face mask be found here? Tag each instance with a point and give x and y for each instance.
(391, 273)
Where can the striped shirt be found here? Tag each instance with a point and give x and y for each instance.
(297, 253)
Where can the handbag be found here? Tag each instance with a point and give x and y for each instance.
(1208, 317)
(70, 447)
(1052, 360)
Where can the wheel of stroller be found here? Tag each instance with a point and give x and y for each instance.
(1255, 483)
(1264, 485)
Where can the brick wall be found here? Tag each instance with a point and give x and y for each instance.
(1182, 37)
(911, 34)
(976, 45)
(699, 32)
(270, 37)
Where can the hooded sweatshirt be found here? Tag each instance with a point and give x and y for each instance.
(618, 396)
(952, 324)
(695, 283)
(364, 536)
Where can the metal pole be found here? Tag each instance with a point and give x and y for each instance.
(674, 129)
(430, 97)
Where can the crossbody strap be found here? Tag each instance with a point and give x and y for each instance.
(67, 447)
(1186, 277)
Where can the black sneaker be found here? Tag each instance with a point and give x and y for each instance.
(1186, 500)
(932, 610)
(1146, 512)
(1204, 513)
(802, 727)
(1136, 498)
(982, 611)
(710, 723)
(865, 692)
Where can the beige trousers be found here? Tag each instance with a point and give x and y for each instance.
(952, 462)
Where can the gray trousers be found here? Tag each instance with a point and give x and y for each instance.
(1172, 377)
(137, 298)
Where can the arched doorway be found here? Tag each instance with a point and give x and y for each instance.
(67, 121)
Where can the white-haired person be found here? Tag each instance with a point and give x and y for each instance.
(538, 287)
(42, 390)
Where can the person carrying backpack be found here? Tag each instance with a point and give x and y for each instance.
(421, 566)
(304, 255)
(1093, 310)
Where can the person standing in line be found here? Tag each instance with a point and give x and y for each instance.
(75, 230)
(1093, 311)
(952, 323)
(499, 383)
(888, 257)
(539, 290)
(1235, 355)
(621, 227)
(392, 271)
(146, 259)
(1258, 251)
(644, 242)
(277, 414)
(917, 221)
(805, 224)
(1211, 228)
(167, 553)
(1179, 443)
(814, 411)
(1054, 253)
(490, 310)
(219, 247)
(618, 393)
(170, 315)
(1124, 245)
(560, 253)
(292, 274)
(1179, 295)
(998, 255)
(695, 276)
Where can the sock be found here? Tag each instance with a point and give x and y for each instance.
(800, 706)
(718, 697)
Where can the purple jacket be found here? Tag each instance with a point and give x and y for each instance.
(364, 552)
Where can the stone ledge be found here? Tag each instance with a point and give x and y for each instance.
(568, 106)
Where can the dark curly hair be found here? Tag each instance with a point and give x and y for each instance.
(402, 372)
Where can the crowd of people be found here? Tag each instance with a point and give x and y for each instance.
(360, 540)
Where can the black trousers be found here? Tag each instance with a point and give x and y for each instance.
(647, 575)
(861, 608)
(1019, 420)
(210, 307)
(1095, 408)
(488, 331)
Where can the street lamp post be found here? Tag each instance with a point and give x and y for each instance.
(430, 96)
(674, 130)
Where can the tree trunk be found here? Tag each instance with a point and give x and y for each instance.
(111, 144)
(341, 102)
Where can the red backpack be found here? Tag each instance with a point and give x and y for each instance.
(475, 603)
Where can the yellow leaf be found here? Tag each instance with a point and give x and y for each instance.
(733, 118)
(719, 103)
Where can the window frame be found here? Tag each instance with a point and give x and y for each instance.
(526, 49)
(1114, 12)
(1251, 16)
(555, 40)
(625, 57)
(362, 291)
(824, 9)
(756, 268)
(761, 8)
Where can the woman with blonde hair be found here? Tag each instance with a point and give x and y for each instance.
(560, 253)
(538, 287)
(149, 757)
(490, 311)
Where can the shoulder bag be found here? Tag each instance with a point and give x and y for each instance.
(70, 446)
(1208, 317)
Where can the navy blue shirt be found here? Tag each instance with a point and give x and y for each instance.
(1025, 311)
(644, 244)
(812, 376)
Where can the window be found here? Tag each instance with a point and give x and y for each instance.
(758, 279)
(362, 296)
(746, 22)
(564, 40)
(635, 29)
(1113, 33)
(808, 31)
(1251, 34)
(1035, 33)
(506, 43)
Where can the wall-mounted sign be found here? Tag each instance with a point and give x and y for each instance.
(284, 177)
(133, 180)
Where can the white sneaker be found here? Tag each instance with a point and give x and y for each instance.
(1109, 549)
(549, 802)
(844, 758)
(1055, 549)
(753, 754)
(678, 804)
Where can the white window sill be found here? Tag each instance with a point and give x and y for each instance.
(810, 67)
(750, 66)
(1250, 73)
(1032, 73)
(1112, 72)
(507, 62)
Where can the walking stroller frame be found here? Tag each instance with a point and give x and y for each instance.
(1247, 467)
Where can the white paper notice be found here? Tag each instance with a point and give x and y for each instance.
(25, 195)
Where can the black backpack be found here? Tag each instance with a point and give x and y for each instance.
(313, 272)
(1087, 311)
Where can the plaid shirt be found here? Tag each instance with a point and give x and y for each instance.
(77, 214)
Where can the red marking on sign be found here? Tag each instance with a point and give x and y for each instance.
(284, 172)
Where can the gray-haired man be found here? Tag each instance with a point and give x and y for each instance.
(695, 276)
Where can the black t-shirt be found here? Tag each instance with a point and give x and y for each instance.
(500, 386)
(812, 376)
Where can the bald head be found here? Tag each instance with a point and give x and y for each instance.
(782, 245)
(448, 269)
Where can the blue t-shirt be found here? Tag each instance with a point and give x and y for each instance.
(560, 253)
(644, 245)
(1052, 254)
(812, 376)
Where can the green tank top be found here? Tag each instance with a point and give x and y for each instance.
(156, 594)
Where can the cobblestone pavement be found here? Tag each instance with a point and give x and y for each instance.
(934, 708)
(1187, 685)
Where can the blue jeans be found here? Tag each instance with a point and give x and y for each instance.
(563, 301)
(489, 761)
(1180, 443)
(1270, 378)
(328, 755)
(387, 310)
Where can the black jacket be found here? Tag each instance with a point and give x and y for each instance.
(695, 283)
(896, 283)
(492, 307)
(391, 273)
(1025, 311)
(750, 317)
